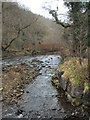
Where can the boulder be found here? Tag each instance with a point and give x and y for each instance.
(74, 101)
(75, 90)
(76, 94)
(62, 80)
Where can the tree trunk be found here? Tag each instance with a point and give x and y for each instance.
(89, 39)
(18, 32)
(80, 54)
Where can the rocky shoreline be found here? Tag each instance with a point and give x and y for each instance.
(76, 95)
(20, 74)
(14, 79)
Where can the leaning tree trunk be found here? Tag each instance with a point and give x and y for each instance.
(89, 39)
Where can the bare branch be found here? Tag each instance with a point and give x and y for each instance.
(54, 14)
(19, 30)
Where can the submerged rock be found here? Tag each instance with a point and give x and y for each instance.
(55, 76)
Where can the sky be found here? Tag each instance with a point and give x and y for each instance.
(36, 6)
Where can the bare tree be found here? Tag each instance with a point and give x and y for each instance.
(18, 33)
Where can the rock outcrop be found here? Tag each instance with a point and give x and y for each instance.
(74, 93)
(63, 81)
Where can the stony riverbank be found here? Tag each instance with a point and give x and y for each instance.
(73, 80)
(34, 52)
(14, 79)
(39, 99)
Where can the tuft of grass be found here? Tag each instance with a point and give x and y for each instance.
(73, 71)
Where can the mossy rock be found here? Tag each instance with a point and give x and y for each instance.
(22, 63)
(58, 85)
(73, 101)
(55, 76)
(30, 53)
(78, 101)
(74, 90)
(1, 90)
(55, 81)
(69, 98)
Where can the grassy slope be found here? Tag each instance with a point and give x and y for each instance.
(76, 73)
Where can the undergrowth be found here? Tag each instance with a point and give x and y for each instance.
(73, 71)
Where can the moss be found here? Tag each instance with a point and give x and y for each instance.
(76, 73)
(52, 72)
(78, 101)
(22, 63)
(55, 80)
(73, 101)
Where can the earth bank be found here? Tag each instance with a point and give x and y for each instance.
(73, 80)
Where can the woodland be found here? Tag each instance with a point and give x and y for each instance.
(46, 63)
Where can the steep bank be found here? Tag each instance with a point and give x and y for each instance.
(42, 35)
(73, 79)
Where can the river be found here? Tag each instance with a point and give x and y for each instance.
(40, 99)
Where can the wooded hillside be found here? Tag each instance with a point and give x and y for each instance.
(38, 31)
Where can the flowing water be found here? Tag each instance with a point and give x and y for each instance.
(40, 99)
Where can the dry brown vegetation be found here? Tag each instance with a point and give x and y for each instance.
(41, 34)
(14, 79)
(74, 71)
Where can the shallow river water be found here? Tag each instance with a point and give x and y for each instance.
(40, 99)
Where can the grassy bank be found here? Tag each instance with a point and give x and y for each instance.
(74, 81)
(77, 74)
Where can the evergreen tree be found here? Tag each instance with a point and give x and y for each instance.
(78, 17)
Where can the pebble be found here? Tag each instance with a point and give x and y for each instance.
(38, 116)
(27, 91)
(72, 114)
(54, 109)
